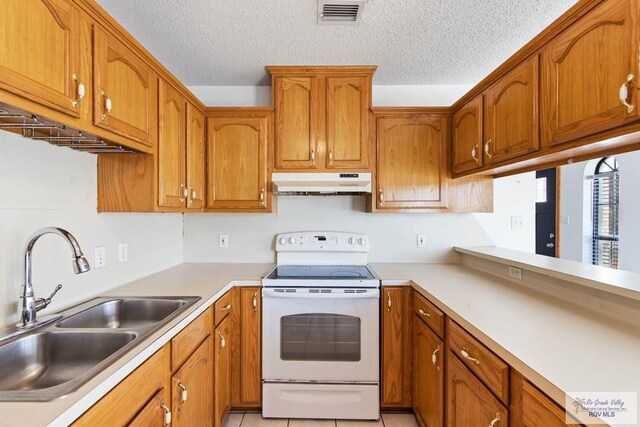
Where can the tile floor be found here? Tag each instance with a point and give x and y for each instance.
(254, 419)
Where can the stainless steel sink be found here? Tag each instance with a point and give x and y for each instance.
(52, 360)
(124, 313)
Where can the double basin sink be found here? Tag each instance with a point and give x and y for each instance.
(51, 361)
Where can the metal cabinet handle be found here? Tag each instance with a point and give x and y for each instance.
(486, 147)
(80, 90)
(624, 93)
(183, 192)
(330, 157)
(223, 340)
(381, 196)
(313, 157)
(495, 420)
(167, 413)
(388, 301)
(191, 195)
(434, 358)
(107, 104)
(474, 153)
(254, 301)
(423, 313)
(262, 196)
(226, 307)
(465, 354)
(183, 392)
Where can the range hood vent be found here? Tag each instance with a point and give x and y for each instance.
(340, 12)
(321, 184)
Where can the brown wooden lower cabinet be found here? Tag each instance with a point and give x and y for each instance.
(222, 370)
(428, 375)
(469, 402)
(153, 414)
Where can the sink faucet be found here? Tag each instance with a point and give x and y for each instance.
(30, 304)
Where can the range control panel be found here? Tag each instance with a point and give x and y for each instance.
(322, 241)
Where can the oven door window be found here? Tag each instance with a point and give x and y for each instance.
(320, 337)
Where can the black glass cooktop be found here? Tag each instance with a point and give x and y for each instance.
(321, 272)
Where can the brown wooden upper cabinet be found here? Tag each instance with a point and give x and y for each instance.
(412, 161)
(125, 90)
(511, 114)
(590, 74)
(195, 157)
(467, 136)
(321, 117)
(40, 52)
(238, 163)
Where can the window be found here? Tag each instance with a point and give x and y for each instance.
(605, 211)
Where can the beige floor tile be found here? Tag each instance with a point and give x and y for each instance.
(312, 423)
(256, 420)
(352, 423)
(234, 419)
(399, 420)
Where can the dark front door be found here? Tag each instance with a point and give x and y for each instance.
(546, 212)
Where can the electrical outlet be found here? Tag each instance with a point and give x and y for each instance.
(517, 222)
(100, 258)
(421, 240)
(223, 240)
(564, 219)
(123, 252)
(515, 273)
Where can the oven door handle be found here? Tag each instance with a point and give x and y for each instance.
(271, 293)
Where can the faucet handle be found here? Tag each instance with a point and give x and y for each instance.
(42, 303)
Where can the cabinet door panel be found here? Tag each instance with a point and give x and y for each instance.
(171, 148)
(583, 69)
(195, 158)
(412, 162)
(250, 346)
(511, 114)
(348, 101)
(297, 108)
(396, 360)
(40, 52)
(123, 82)
(469, 402)
(428, 375)
(467, 136)
(195, 376)
(237, 163)
(222, 371)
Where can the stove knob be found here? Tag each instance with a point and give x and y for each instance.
(362, 241)
(352, 240)
(292, 240)
(283, 240)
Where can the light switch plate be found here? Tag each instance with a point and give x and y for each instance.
(421, 240)
(100, 257)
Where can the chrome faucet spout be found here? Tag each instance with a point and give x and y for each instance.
(31, 305)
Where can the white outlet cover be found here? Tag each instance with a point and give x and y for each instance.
(421, 240)
(515, 273)
(123, 252)
(223, 240)
(517, 222)
(100, 260)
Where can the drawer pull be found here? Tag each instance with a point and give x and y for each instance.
(486, 147)
(624, 93)
(474, 153)
(388, 301)
(262, 197)
(223, 340)
(465, 354)
(254, 301)
(313, 157)
(330, 157)
(167, 413)
(434, 358)
(183, 392)
(423, 313)
(80, 90)
(381, 197)
(226, 307)
(495, 420)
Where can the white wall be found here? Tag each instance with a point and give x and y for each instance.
(572, 202)
(260, 96)
(42, 185)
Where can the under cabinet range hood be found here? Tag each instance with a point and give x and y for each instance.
(313, 184)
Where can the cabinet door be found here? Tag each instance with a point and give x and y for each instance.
(297, 102)
(222, 371)
(192, 388)
(412, 168)
(531, 408)
(511, 114)
(171, 148)
(396, 354)
(347, 113)
(153, 413)
(583, 70)
(428, 375)
(250, 346)
(237, 163)
(467, 136)
(469, 402)
(125, 90)
(40, 52)
(195, 158)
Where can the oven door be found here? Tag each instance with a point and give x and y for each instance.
(329, 335)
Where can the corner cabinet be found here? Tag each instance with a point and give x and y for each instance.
(40, 57)
(239, 160)
(467, 136)
(590, 74)
(322, 117)
(125, 90)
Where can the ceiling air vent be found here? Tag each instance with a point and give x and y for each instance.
(340, 12)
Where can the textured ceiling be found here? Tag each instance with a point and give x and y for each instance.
(413, 42)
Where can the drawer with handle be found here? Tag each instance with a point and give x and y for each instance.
(428, 312)
(488, 367)
(190, 338)
(223, 307)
